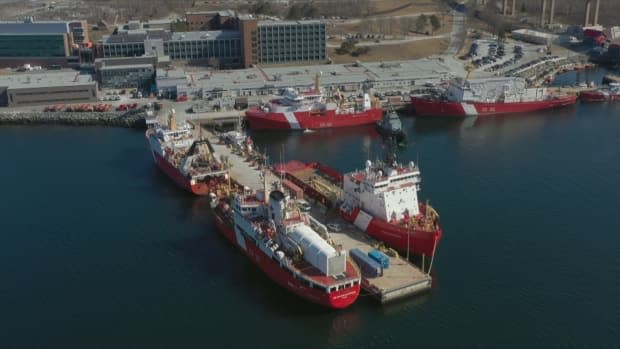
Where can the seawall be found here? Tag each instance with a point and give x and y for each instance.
(131, 119)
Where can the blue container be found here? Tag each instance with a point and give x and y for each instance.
(369, 267)
(379, 257)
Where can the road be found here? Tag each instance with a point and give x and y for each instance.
(393, 42)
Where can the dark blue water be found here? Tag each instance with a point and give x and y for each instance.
(98, 249)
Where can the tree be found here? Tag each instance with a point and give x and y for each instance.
(404, 23)
(420, 23)
(347, 46)
(435, 24)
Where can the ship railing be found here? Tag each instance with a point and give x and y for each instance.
(207, 174)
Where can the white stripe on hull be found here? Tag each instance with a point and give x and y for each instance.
(362, 220)
(292, 120)
(469, 109)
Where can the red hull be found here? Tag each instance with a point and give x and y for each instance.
(336, 299)
(434, 107)
(599, 96)
(261, 120)
(199, 188)
(593, 96)
(420, 241)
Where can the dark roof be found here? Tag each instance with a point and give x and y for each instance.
(138, 37)
(34, 28)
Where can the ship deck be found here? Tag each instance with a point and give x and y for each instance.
(320, 182)
(241, 169)
(401, 279)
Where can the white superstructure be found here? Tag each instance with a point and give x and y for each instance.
(291, 229)
(385, 191)
(504, 89)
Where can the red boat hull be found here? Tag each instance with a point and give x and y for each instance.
(420, 242)
(434, 107)
(199, 188)
(593, 96)
(599, 96)
(261, 120)
(339, 299)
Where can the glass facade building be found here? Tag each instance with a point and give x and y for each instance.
(227, 48)
(294, 41)
(33, 45)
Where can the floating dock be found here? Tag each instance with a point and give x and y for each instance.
(401, 279)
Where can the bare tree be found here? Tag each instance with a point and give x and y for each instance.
(404, 24)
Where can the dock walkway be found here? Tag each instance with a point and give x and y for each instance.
(401, 279)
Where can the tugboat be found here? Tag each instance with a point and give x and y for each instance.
(391, 126)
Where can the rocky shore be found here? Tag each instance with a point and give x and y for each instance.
(131, 119)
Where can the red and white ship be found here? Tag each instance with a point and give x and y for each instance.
(381, 200)
(295, 111)
(188, 162)
(612, 93)
(290, 247)
(488, 97)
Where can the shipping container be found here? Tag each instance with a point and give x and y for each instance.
(369, 267)
(380, 258)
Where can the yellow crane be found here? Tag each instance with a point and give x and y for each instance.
(469, 68)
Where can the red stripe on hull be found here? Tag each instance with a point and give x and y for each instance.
(260, 120)
(339, 299)
(199, 188)
(420, 241)
(431, 107)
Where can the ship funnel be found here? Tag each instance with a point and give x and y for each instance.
(277, 204)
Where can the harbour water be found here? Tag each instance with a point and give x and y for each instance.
(99, 249)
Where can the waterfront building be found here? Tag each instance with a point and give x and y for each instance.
(223, 40)
(27, 89)
(41, 42)
(221, 48)
(281, 42)
(211, 20)
(127, 76)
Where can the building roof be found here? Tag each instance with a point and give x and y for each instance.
(46, 27)
(136, 36)
(331, 74)
(228, 13)
(127, 66)
(206, 35)
(278, 23)
(44, 79)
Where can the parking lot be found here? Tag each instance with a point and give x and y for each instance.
(488, 57)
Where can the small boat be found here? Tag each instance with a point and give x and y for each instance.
(391, 126)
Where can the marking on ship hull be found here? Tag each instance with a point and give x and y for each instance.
(362, 220)
(469, 109)
(292, 120)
